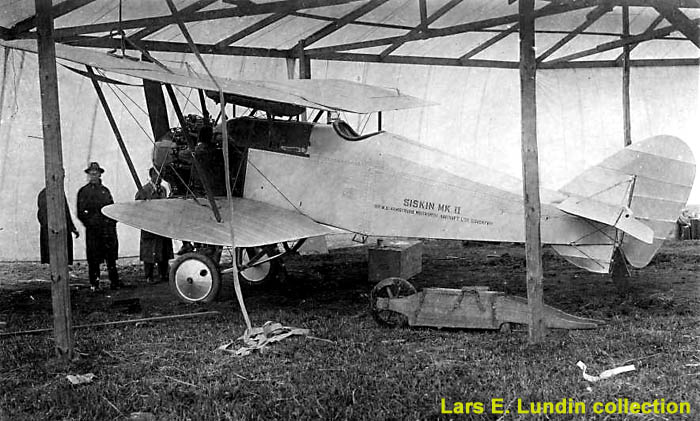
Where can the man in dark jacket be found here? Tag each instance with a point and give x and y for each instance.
(101, 241)
(43, 218)
(154, 248)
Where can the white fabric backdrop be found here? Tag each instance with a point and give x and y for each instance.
(478, 118)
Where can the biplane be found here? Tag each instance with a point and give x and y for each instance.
(297, 178)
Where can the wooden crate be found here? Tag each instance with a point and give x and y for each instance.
(402, 259)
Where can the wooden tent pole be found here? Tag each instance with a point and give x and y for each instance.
(531, 182)
(304, 70)
(626, 77)
(54, 175)
(115, 128)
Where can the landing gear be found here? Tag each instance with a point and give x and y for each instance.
(390, 288)
(256, 267)
(194, 278)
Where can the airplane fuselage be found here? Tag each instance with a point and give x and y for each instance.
(387, 185)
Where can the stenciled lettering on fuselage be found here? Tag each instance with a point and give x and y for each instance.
(429, 209)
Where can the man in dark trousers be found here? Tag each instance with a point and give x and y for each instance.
(43, 218)
(154, 248)
(101, 241)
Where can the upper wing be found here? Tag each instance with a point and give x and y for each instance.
(325, 94)
(255, 223)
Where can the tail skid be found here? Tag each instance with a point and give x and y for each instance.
(640, 191)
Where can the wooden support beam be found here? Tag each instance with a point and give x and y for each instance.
(177, 47)
(650, 28)
(342, 21)
(460, 29)
(304, 62)
(262, 23)
(656, 34)
(191, 143)
(590, 64)
(56, 11)
(417, 33)
(486, 44)
(115, 128)
(304, 69)
(54, 176)
(429, 61)
(591, 18)
(531, 181)
(680, 21)
(626, 113)
(316, 16)
(203, 104)
(423, 8)
(200, 4)
(286, 6)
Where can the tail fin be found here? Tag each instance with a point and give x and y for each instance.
(639, 190)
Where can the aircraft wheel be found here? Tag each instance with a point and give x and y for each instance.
(194, 278)
(390, 288)
(259, 275)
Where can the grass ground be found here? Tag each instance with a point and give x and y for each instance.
(172, 371)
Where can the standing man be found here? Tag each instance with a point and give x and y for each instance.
(101, 241)
(43, 218)
(154, 248)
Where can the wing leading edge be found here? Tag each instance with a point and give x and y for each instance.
(324, 94)
(255, 224)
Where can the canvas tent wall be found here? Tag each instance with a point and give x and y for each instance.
(580, 111)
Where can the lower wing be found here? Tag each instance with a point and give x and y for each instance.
(255, 223)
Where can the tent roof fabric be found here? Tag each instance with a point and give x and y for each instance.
(481, 33)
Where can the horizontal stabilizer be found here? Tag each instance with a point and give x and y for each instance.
(255, 223)
(620, 217)
(654, 176)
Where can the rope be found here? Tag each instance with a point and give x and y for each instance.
(222, 103)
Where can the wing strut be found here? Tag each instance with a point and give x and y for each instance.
(113, 123)
(191, 143)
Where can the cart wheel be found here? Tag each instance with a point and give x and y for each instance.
(390, 288)
(256, 276)
(194, 278)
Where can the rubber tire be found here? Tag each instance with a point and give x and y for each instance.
(272, 266)
(208, 271)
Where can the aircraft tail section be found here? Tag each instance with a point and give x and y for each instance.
(640, 191)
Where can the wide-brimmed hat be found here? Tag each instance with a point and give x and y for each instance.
(94, 166)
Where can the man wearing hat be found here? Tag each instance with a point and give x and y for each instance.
(101, 241)
(154, 248)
